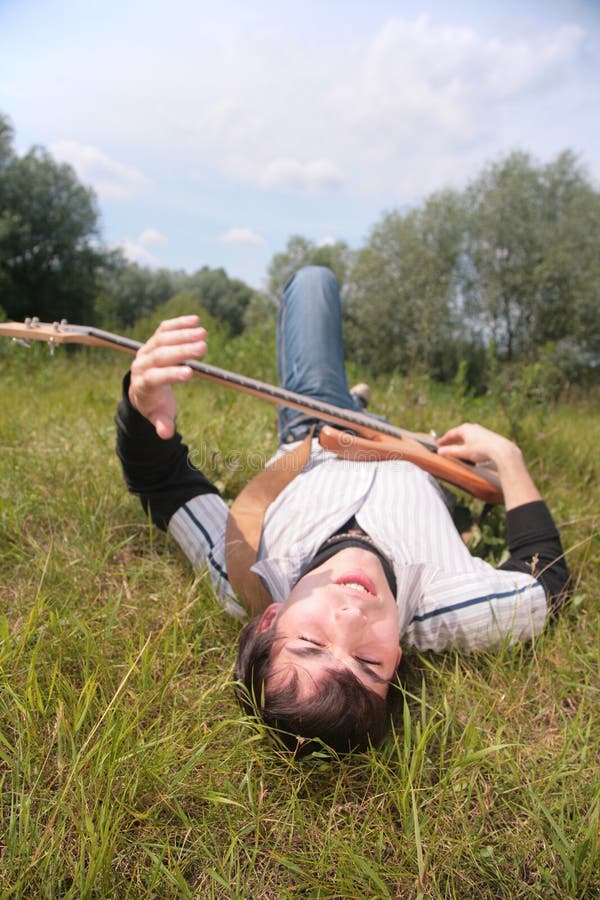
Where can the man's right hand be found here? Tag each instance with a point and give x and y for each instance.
(158, 366)
(478, 444)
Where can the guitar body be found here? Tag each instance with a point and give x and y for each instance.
(372, 440)
(482, 483)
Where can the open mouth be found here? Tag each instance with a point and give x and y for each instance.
(357, 581)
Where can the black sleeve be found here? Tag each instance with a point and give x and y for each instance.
(159, 472)
(535, 548)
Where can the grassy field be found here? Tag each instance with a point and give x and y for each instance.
(126, 769)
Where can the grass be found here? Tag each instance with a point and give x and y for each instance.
(126, 769)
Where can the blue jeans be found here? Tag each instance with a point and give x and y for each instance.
(310, 351)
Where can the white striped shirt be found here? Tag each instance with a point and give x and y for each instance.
(446, 598)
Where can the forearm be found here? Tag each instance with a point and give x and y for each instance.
(517, 484)
(156, 470)
(533, 539)
(535, 547)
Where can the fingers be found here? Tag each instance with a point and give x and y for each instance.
(177, 331)
(173, 342)
(159, 354)
(452, 436)
(476, 443)
(149, 379)
(466, 441)
(454, 439)
(159, 364)
(457, 451)
(179, 322)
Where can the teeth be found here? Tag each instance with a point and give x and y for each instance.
(356, 586)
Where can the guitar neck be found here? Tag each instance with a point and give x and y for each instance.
(477, 480)
(82, 334)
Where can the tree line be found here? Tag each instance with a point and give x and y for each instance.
(508, 269)
(53, 264)
(505, 271)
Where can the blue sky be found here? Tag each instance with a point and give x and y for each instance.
(212, 132)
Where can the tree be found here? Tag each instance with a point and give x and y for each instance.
(48, 225)
(129, 292)
(6, 139)
(6, 217)
(183, 303)
(568, 304)
(224, 298)
(534, 233)
(301, 252)
(261, 313)
(402, 307)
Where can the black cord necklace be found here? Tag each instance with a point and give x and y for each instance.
(351, 535)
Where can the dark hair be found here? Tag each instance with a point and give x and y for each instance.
(341, 713)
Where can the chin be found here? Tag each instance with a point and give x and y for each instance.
(363, 558)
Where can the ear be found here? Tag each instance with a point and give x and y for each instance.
(399, 657)
(267, 620)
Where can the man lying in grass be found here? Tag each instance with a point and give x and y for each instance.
(357, 558)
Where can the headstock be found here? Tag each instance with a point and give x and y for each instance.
(54, 333)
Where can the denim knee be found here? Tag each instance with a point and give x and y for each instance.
(310, 278)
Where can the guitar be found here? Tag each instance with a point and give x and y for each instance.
(372, 440)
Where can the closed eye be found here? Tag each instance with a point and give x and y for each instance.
(316, 649)
(360, 659)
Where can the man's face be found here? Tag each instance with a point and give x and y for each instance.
(341, 615)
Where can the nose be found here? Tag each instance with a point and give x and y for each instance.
(349, 614)
(348, 627)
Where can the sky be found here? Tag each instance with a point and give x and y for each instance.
(212, 132)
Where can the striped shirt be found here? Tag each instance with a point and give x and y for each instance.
(446, 597)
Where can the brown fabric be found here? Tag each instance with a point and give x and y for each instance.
(245, 524)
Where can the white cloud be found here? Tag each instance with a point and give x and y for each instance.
(521, 65)
(383, 114)
(404, 109)
(137, 253)
(419, 96)
(327, 241)
(287, 173)
(108, 177)
(151, 236)
(136, 249)
(401, 109)
(313, 175)
(242, 236)
(436, 74)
